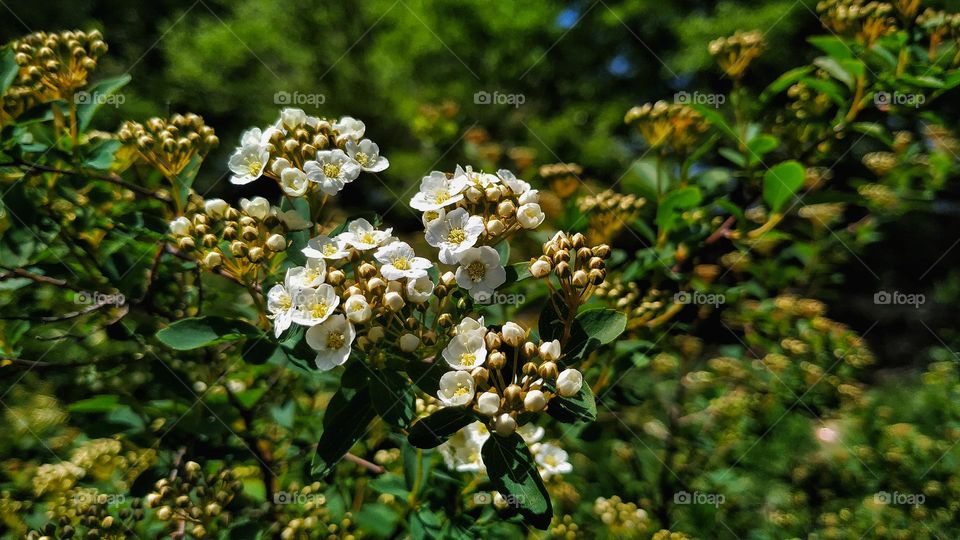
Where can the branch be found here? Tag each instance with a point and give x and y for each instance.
(106, 177)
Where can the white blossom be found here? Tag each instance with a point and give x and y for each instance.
(488, 403)
(469, 325)
(326, 247)
(309, 276)
(569, 382)
(350, 126)
(399, 261)
(357, 308)
(294, 182)
(181, 226)
(456, 388)
(551, 460)
(530, 216)
(247, 163)
(465, 352)
(453, 234)
(513, 333)
(516, 185)
(257, 207)
(479, 180)
(367, 154)
(215, 207)
(480, 271)
(529, 197)
(462, 451)
(316, 305)
(419, 290)
(332, 169)
(438, 191)
(331, 339)
(550, 350)
(360, 234)
(280, 307)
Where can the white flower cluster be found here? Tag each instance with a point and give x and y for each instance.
(305, 153)
(462, 452)
(466, 213)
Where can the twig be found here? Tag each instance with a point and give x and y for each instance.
(108, 177)
(372, 467)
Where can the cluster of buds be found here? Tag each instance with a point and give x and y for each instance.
(940, 26)
(806, 102)
(880, 163)
(56, 65)
(640, 305)
(867, 21)
(563, 178)
(306, 155)
(815, 178)
(608, 213)
(85, 513)
(579, 268)
(502, 375)
(169, 144)
(621, 519)
(303, 513)
(194, 498)
(672, 126)
(822, 215)
(735, 53)
(880, 196)
(238, 242)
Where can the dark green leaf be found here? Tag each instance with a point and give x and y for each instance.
(780, 182)
(344, 423)
(393, 397)
(581, 407)
(591, 329)
(8, 69)
(433, 430)
(98, 95)
(196, 332)
(513, 472)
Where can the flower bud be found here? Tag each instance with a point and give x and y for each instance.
(215, 207)
(212, 260)
(473, 194)
(209, 240)
(186, 243)
(238, 249)
(492, 193)
(495, 227)
(569, 382)
(534, 401)
(602, 251)
(579, 241)
(580, 279)
(550, 350)
(255, 254)
(376, 333)
(513, 334)
(249, 233)
(562, 269)
(367, 270)
(488, 404)
(276, 242)
(409, 342)
(540, 268)
(480, 375)
(548, 371)
(529, 350)
(335, 277)
(505, 425)
(511, 395)
(506, 209)
(496, 360)
(394, 301)
(375, 284)
(445, 320)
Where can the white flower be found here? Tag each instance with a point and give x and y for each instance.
(462, 451)
(307, 277)
(291, 118)
(362, 235)
(479, 180)
(470, 325)
(465, 352)
(513, 333)
(331, 340)
(357, 308)
(350, 126)
(505, 425)
(393, 300)
(534, 401)
(430, 216)
(530, 196)
(279, 165)
(247, 163)
(480, 271)
(551, 460)
(257, 207)
(569, 382)
(280, 305)
(530, 216)
(516, 185)
(293, 220)
(409, 342)
(400, 261)
(316, 305)
(456, 388)
(180, 226)
(215, 207)
(294, 182)
(437, 191)
(332, 170)
(488, 404)
(453, 234)
(550, 350)
(419, 290)
(256, 137)
(367, 154)
(326, 247)
(531, 433)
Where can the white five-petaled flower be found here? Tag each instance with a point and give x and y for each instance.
(291, 118)
(247, 163)
(279, 165)
(530, 216)
(479, 180)
(309, 276)
(326, 247)
(419, 290)
(454, 233)
(469, 325)
(332, 170)
(360, 234)
(350, 126)
(315, 305)
(331, 340)
(255, 136)
(516, 185)
(551, 459)
(456, 388)
(399, 261)
(462, 451)
(437, 191)
(357, 308)
(294, 182)
(367, 154)
(257, 207)
(480, 271)
(280, 304)
(465, 352)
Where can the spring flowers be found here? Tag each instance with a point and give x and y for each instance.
(332, 340)
(399, 261)
(362, 235)
(456, 388)
(454, 233)
(438, 191)
(480, 271)
(367, 154)
(465, 352)
(332, 170)
(316, 305)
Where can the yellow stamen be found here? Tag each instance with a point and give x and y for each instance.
(455, 236)
(335, 340)
(476, 270)
(331, 170)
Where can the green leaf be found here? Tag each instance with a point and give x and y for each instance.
(196, 332)
(591, 329)
(785, 81)
(675, 203)
(833, 46)
(344, 423)
(581, 407)
(97, 404)
(393, 397)
(760, 146)
(432, 431)
(717, 119)
(8, 69)
(836, 69)
(97, 93)
(780, 182)
(513, 472)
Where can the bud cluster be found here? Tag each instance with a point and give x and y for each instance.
(867, 21)
(668, 125)
(641, 306)
(169, 144)
(822, 215)
(195, 498)
(86, 513)
(56, 65)
(563, 178)
(735, 53)
(621, 519)
(579, 268)
(608, 212)
(940, 26)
